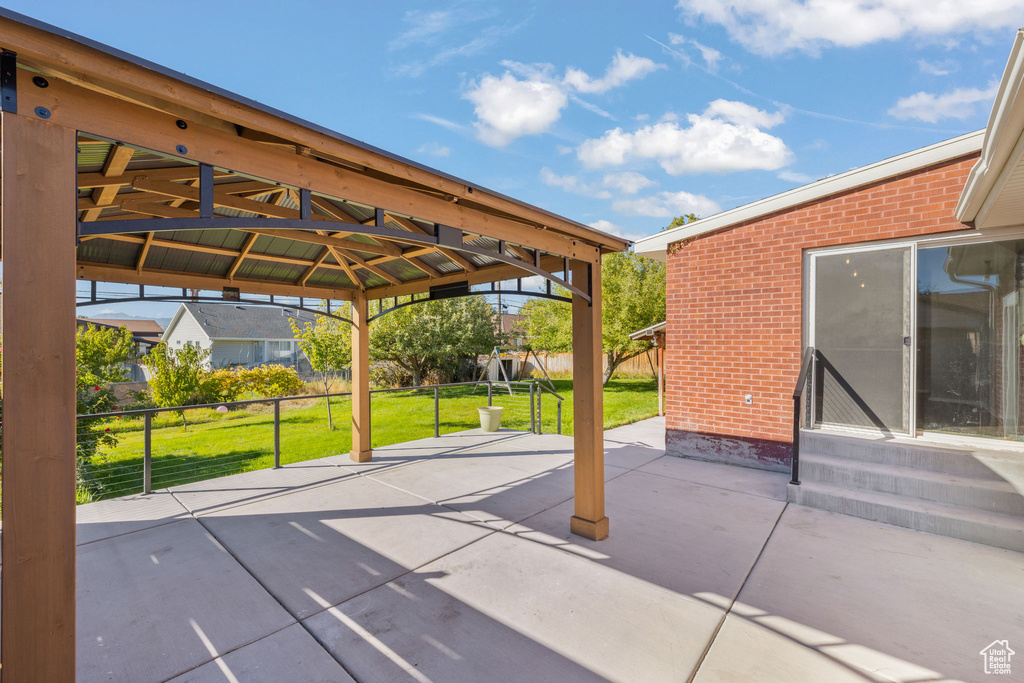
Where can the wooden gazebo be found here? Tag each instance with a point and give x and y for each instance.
(118, 170)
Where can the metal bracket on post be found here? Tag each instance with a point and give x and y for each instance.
(205, 191)
(9, 82)
(305, 205)
(590, 284)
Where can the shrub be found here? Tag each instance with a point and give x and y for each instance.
(268, 381)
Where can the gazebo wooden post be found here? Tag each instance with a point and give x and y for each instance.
(588, 405)
(37, 642)
(361, 450)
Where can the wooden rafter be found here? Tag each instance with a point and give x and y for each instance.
(117, 160)
(249, 241)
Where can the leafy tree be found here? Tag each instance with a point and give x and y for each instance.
(633, 294)
(181, 378)
(434, 335)
(101, 353)
(327, 344)
(681, 220)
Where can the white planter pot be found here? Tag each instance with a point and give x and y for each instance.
(490, 418)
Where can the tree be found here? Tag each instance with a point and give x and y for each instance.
(101, 354)
(633, 294)
(685, 219)
(180, 378)
(327, 344)
(434, 335)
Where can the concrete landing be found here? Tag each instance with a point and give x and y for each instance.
(450, 560)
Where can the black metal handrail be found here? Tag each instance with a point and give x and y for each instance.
(798, 399)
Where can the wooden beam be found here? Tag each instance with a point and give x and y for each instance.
(496, 273)
(249, 241)
(343, 262)
(38, 586)
(383, 247)
(87, 181)
(313, 266)
(117, 160)
(101, 115)
(370, 267)
(589, 519)
(412, 226)
(214, 283)
(141, 261)
(361, 441)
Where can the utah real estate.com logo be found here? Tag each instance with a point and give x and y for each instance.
(997, 657)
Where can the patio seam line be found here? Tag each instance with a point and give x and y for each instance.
(727, 612)
(295, 619)
(700, 483)
(221, 655)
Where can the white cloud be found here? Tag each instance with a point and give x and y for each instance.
(710, 55)
(434, 149)
(940, 68)
(956, 104)
(794, 177)
(425, 27)
(726, 137)
(773, 27)
(438, 121)
(627, 182)
(507, 108)
(667, 205)
(616, 229)
(624, 68)
(571, 183)
(528, 98)
(564, 149)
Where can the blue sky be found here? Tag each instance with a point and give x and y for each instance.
(616, 114)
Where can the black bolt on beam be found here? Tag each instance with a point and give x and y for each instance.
(305, 205)
(9, 82)
(205, 191)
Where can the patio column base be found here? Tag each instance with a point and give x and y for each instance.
(360, 456)
(595, 531)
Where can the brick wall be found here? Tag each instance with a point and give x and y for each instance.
(735, 310)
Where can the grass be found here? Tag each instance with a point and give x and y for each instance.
(218, 444)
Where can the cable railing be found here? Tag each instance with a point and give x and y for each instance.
(161, 447)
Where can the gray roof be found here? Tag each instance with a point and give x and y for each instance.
(236, 321)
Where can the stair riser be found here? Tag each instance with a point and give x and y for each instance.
(1003, 502)
(1000, 537)
(951, 462)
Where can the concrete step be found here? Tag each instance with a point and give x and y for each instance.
(976, 493)
(968, 461)
(990, 528)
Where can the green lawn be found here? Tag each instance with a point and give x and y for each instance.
(215, 444)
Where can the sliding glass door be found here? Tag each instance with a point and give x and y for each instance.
(862, 327)
(969, 339)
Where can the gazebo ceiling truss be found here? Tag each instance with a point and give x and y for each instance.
(118, 170)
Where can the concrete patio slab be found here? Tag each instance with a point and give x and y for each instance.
(338, 540)
(730, 477)
(116, 516)
(746, 651)
(508, 609)
(688, 538)
(650, 433)
(204, 497)
(883, 600)
(399, 455)
(630, 456)
(148, 602)
(288, 655)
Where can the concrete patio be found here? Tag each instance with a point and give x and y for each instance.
(450, 560)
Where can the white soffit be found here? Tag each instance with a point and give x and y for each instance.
(994, 194)
(656, 246)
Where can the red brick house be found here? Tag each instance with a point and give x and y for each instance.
(897, 288)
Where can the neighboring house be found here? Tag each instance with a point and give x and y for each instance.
(145, 333)
(239, 335)
(902, 284)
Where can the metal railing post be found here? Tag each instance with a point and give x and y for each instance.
(533, 411)
(277, 434)
(559, 417)
(437, 413)
(540, 412)
(490, 393)
(147, 455)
